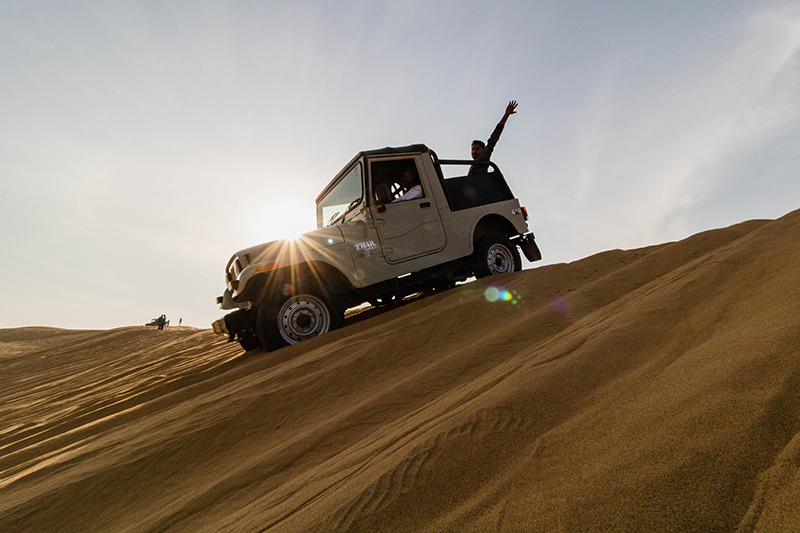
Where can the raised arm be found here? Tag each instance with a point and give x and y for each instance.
(481, 152)
(510, 110)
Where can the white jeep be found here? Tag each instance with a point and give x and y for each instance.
(393, 222)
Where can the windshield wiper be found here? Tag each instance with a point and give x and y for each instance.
(332, 219)
(335, 218)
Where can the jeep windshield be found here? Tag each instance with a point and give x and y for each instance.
(341, 200)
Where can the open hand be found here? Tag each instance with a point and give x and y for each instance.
(511, 108)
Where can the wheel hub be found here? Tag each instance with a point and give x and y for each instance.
(304, 320)
(303, 317)
(500, 260)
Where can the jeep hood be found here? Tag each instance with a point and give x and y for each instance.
(272, 251)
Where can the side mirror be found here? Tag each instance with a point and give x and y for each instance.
(382, 194)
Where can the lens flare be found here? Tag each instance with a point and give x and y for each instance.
(493, 293)
(559, 305)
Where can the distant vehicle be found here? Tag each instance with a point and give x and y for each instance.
(371, 245)
(159, 322)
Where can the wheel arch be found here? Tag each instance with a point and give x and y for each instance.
(492, 223)
(262, 286)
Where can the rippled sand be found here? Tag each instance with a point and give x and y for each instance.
(646, 390)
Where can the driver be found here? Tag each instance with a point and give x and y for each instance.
(411, 185)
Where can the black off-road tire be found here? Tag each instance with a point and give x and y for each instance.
(297, 312)
(248, 341)
(495, 254)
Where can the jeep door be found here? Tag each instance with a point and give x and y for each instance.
(407, 220)
(343, 206)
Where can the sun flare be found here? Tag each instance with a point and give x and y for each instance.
(281, 217)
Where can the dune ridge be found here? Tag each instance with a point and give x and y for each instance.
(650, 390)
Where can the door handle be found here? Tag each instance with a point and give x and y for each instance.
(423, 205)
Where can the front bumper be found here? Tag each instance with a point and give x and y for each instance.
(219, 327)
(237, 322)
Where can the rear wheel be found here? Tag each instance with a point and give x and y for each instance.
(296, 313)
(495, 254)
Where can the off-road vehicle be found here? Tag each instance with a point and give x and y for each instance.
(374, 244)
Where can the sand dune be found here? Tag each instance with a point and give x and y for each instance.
(646, 390)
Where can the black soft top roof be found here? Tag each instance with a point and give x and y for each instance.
(389, 150)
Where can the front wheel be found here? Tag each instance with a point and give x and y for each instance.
(248, 341)
(296, 313)
(495, 254)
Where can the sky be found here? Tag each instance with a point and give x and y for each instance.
(143, 143)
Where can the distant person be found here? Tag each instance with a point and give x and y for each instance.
(483, 151)
(180, 321)
(162, 321)
(411, 185)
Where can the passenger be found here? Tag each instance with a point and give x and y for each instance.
(411, 185)
(483, 151)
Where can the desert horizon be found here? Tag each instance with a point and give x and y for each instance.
(653, 389)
